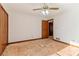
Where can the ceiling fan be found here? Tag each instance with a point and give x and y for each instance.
(46, 7)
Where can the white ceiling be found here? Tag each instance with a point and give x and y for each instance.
(28, 7)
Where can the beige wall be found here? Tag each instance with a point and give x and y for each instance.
(24, 27)
(66, 23)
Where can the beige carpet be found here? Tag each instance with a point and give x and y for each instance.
(41, 47)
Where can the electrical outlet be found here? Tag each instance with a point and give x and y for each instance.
(57, 38)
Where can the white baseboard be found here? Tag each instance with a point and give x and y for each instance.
(69, 42)
(74, 43)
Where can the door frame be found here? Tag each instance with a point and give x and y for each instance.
(7, 20)
(7, 26)
(50, 20)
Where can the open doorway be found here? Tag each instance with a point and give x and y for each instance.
(50, 28)
(47, 28)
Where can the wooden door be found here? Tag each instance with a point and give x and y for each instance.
(3, 29)
(45, 29)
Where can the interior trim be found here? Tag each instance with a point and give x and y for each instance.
(24, 40)
(7, 20)
(62, 42)
(66, 43)
(7, 25)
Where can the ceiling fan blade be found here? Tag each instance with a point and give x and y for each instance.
(38, 9)
(53, 8)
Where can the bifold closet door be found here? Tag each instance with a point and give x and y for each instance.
(45, 29)
(3, 29)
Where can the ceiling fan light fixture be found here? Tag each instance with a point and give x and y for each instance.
(45, 12)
